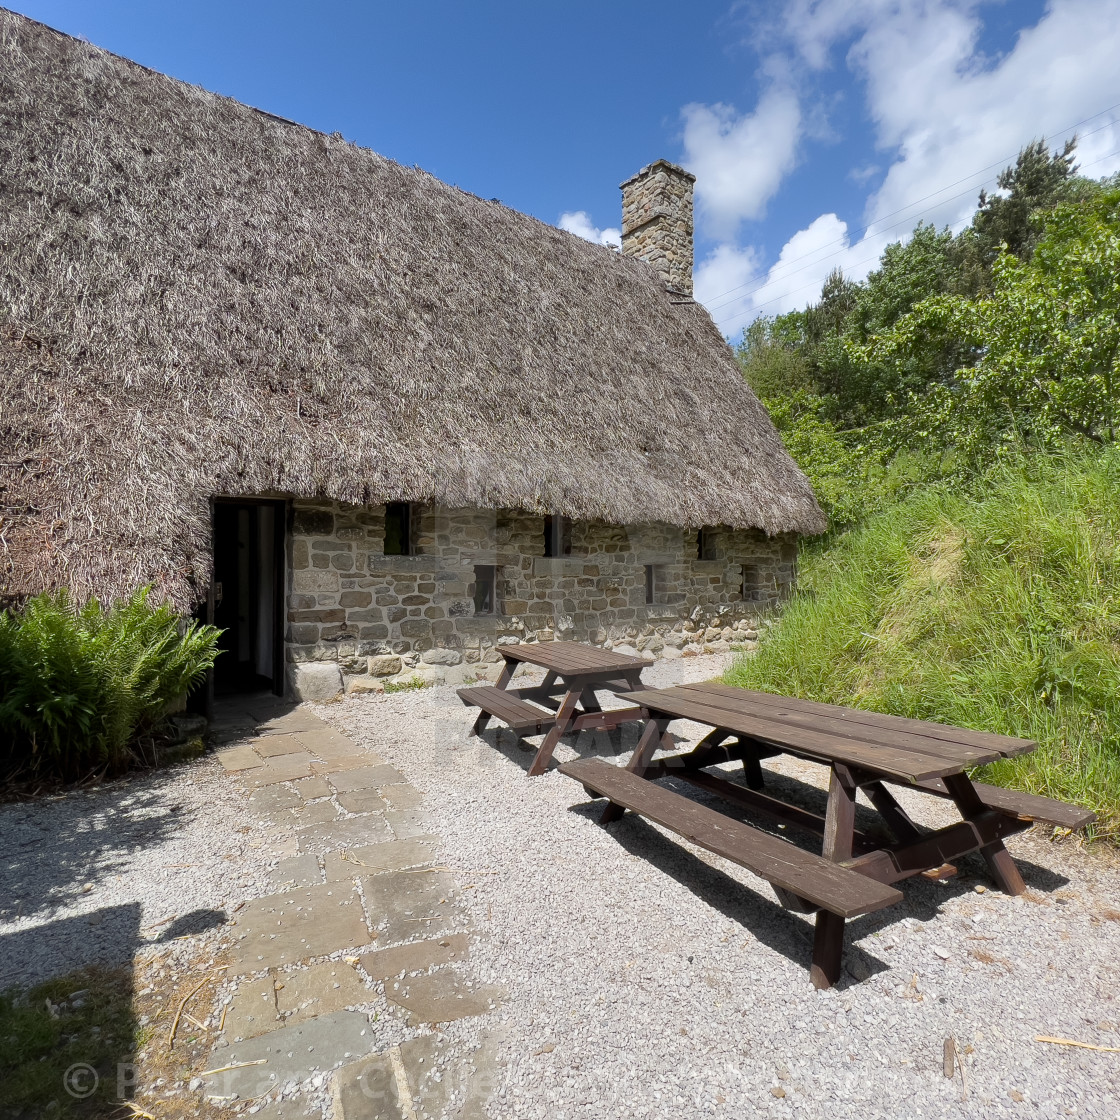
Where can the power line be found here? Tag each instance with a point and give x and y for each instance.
(864, 229)
(865, 260)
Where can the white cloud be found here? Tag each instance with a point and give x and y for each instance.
(740, 160)
(725, 269)
(791, 282)
(579, 222)
(946, 117)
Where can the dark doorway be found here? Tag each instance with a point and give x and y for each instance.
(249, 595)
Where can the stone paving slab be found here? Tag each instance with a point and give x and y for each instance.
(367, 1090)
(409, 906)
(291, 1054)
(403, 797)
(388, 775)
(425, 1078)
(294, 1018)
(253, 1010)
(297, 925)
(416, 956)
(341, 763)
(269, 746)
(392, 855)
(271, 801)
(285, 723)
(442, 996)
(310, 789)
(284, 768)
(365, 777)
(363, 801)
(317, 812)
(239, 758)
(409, 824)
(328, 743)
(344, 833)
(325, 987)
(296, 871)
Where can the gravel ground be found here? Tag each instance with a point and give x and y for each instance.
(97, 875)
(647, 978)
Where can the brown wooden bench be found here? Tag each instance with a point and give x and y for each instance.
(833, 891)
(864, 752)
(1023, 806)
(573, 673)
(518, 715)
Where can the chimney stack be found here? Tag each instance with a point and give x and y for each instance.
(657, 222)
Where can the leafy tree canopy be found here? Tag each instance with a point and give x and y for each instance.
(955, 344)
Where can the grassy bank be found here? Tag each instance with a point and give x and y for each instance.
(998, 609)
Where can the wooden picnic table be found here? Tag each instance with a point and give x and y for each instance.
(864, 751)
(565, 700)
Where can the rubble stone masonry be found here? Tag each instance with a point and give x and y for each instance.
(657, 222)
(382, 617)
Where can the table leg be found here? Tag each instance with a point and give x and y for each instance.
(752, 767)
(996, 856)
(563, 721)
(588, 701)
(893, 814)
(506, 675)
(840, 816)
(653, 734)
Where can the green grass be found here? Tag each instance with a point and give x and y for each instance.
(998, 610)
(411, 685)
(43, 1035)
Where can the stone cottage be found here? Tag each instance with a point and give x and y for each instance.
(370, 424)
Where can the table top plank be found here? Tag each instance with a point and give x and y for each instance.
(572, 658)
(1006, 745)
(909, 765)
(776, 709)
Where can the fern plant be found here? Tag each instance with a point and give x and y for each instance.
(80, 684)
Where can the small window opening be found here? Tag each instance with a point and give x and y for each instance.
(651, 583)
(398, 528)
(557, 535)
(484, 579)
(705, 545)
(752, 582)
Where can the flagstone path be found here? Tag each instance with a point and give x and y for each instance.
(362, 916)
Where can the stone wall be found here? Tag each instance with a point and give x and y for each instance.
(381, 617)
(657, 221)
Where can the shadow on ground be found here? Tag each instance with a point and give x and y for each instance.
(779, 929)
(69, 1042)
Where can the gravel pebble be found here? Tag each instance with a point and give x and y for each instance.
(647, 978)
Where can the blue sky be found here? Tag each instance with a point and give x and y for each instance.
(805, 121)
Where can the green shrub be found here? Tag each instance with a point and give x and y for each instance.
(997, 608)
(78, 685)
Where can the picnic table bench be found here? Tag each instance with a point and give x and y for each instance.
(564, 701)
(864, 751)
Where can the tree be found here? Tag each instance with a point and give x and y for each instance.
(1038, 181)
(1046, 341)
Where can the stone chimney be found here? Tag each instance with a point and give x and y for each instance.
(657, 222)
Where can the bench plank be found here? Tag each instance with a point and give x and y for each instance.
(1025, 806)
(910, 766)
(827, 885)
(517, 714)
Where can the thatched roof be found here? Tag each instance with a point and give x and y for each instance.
(198, 299)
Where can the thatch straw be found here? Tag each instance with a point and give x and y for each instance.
(200, 299)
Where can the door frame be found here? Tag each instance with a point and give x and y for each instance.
(281, 534)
